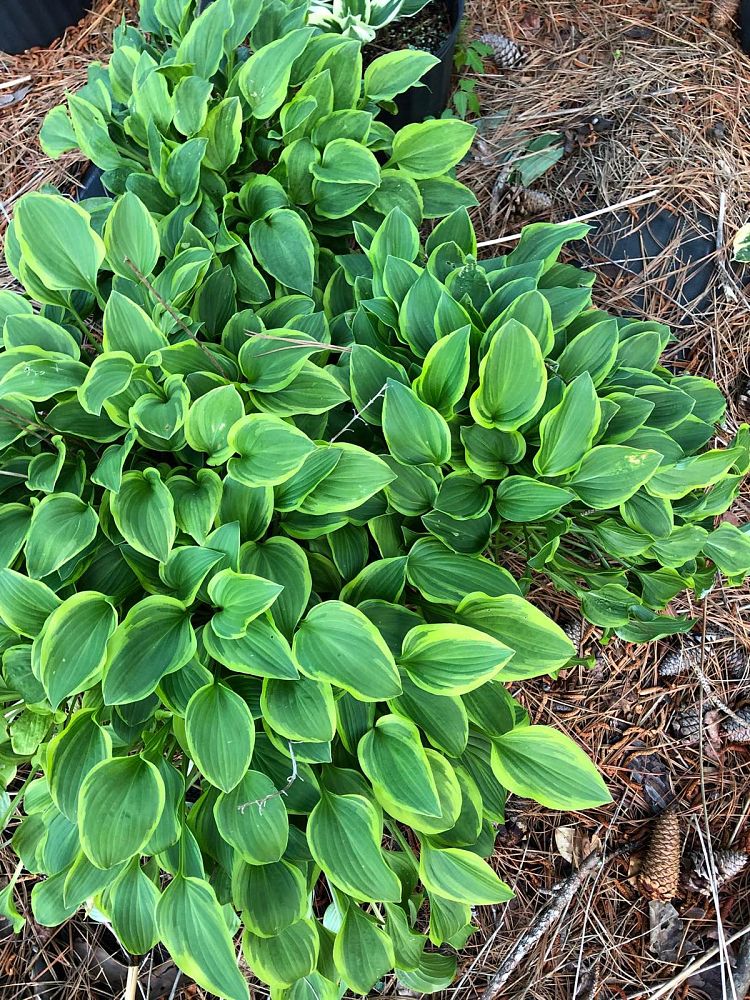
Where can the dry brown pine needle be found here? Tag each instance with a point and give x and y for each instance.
(660, 874)
(723, 13)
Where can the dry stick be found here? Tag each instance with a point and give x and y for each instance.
(358, 415)
(175, 316)
(581, 218)
(261, 803)
(563, 893)
(667, 988)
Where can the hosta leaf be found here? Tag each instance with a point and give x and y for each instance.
(301, 710)
(512, 379)
(362, 951)
(451, 659)
(58, 242)
(25, 604)
(71, 755)
(460, 875)
(264, 77)
(282, 244)
(262, 651)
(337, 643)
(396, 72)
(143, 511)
(210, 420)
(73, 646)
(446, 577)
(132, 909)
(284, 562)
(271, 451)
(252, 818)
(156, 638)
(567, 432)
(241, 598)
(540, 646)
(611, 474)
(119, 807)
(131, 237)
(344, 834)
(540, 763)
(192, 926)
(392, 757)
(523, 499)
(428, 150)
(61, 527)
(213, 712)
(281, 960)
(414, 431)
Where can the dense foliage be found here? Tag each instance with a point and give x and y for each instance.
(251, 648)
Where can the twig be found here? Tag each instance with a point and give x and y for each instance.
(175, 316)
(358, 414)
(295, 342)
(261, 803)
(667, 988)
(581, 218)
(15, 83)
(563, 892)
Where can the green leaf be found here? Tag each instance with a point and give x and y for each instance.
(57, 240)
(281, 960)
(271, 450)
(264, 77)
(25, 604)
(271, 896)
(677, 480)
(338, 644)
(143, 511)
(461, 876)
(414, 431)
(446, 577)
(155, 639)
(196, 504)
(362, 951)
(567, 432)
(285, 563)
(729, 548)
(129, 330)
(132, 909)
(523, 499)
(61, 526)
(435, 973)
(119, 808)
(203, 44)
(108, 375)
(540, 646)
(392, 757)
(396, 72)
(345, 178)
(441, 718)
(71, 755)
(253, 819)
(431, 148)
(209, 421)
(241, 597)
(272, 360)
(191, 924)
(301, 710)
(445, 372)
(73, 646)
(594, 350)
(344, 835)
(540, 763)
(512, 379)
(262, 651)
(281, 242)
(611, 474)
(131, 238)
(451, 659)
(213, 712)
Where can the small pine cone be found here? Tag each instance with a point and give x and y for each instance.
(688, 724)
(681, 660)
(723, 13)
(505, 53)
(734, 731)
(736, 661)
(524, 202)
(727, 863)
(660, 874)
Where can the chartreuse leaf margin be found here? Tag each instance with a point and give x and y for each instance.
(257, 443)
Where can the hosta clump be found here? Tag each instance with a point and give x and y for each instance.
(247, 679)
(511, 410)
(362, 19)
(247, 131)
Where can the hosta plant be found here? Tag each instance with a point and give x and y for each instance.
(517, 416)
(245, 690)
(247, 131)
(361, 19)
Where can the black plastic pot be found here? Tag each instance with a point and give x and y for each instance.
(430, 100)
(28, 23)
(745, 25)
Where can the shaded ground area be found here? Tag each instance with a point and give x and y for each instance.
(643, 96)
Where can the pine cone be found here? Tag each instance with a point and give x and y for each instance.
(505, 53)
(524, 202)
(681, 660)
(727, 863)
(723, 13)
(660, 874)
(734, 731)
(688, 724)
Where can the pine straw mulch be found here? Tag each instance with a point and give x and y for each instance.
(673, 90)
